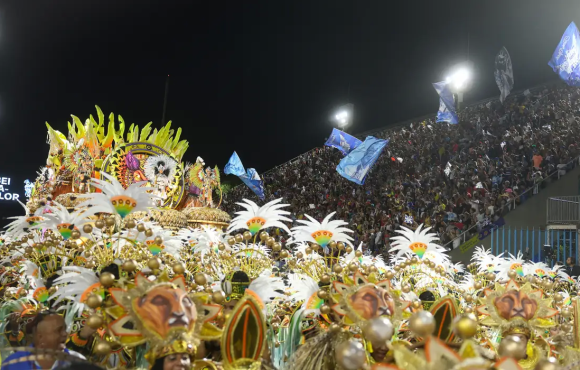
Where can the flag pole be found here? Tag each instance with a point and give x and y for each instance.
(165, 100)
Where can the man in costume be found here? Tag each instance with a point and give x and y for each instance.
(48, 331)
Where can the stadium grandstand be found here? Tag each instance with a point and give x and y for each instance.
(455, 178)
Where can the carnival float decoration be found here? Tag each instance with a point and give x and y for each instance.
(123, 238)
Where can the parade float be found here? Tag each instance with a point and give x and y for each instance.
(127, 243)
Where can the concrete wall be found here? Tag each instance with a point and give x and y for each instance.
(532, 213)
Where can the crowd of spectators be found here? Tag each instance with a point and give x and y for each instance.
(455, 178)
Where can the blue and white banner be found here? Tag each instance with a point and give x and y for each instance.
(488, 226)
(250, 178)
(504, 74)
(566, 57)
(446, 111)
(356, 164)
(342, 141)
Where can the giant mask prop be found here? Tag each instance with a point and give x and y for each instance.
(164, 309)
(514, 304)
(363, 300)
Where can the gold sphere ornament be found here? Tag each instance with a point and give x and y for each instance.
(512, 346)
(565, 327)
(325, 309)
(406, 288)
(378, 331)
(478, 285)
(94, 301)
(351, 355)
(88, 228)
(549, 363)
(231, 241)
(322, 294)
(414, 260)
(397, 268)
(129, 265)
(422, 323)
(95, 321)
(149, 233)
(178, 268)
(130, 224)
(141, 228)
(107, 279)
(348, 249)
(490, 276)
(110, 221)
(352, 267)
(158, 240)
(200, 279)
(218, 297)
(308, 250)
(284, 254)
(75, 234)
(239, 238)
(263, 236)
(465, 327)
(28, 250)
(337, 269)
(416, 304)
(299, 255)
(221, 246)
(90, 264)
(566, 312)
(468, 310)
(154, 263)
(558, 297)
(332, 244)
(468, 298)
(389, 275)
(102, 348)
(270, 241)
(277, 247)
(247, 235)
(341, 246)
(512, 274)
(358, 254)
(325, 279)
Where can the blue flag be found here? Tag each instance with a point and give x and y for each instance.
(250, 178)
(342, 141)
(356, 164)
(446, 111)
(566, 58)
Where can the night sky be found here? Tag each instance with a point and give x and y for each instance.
(258, 77)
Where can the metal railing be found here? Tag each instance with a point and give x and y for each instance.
(511, 205)
(563, 210)
(537, 245)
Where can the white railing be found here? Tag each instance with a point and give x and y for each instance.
(563, 210)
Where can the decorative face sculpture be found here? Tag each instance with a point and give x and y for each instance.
(164, 309)
(371, 301)
(514, 304)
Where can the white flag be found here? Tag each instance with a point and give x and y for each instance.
(504, 74)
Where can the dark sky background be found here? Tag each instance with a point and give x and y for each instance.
(258, 77)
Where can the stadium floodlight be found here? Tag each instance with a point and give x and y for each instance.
(343, 116)
(459, 79)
